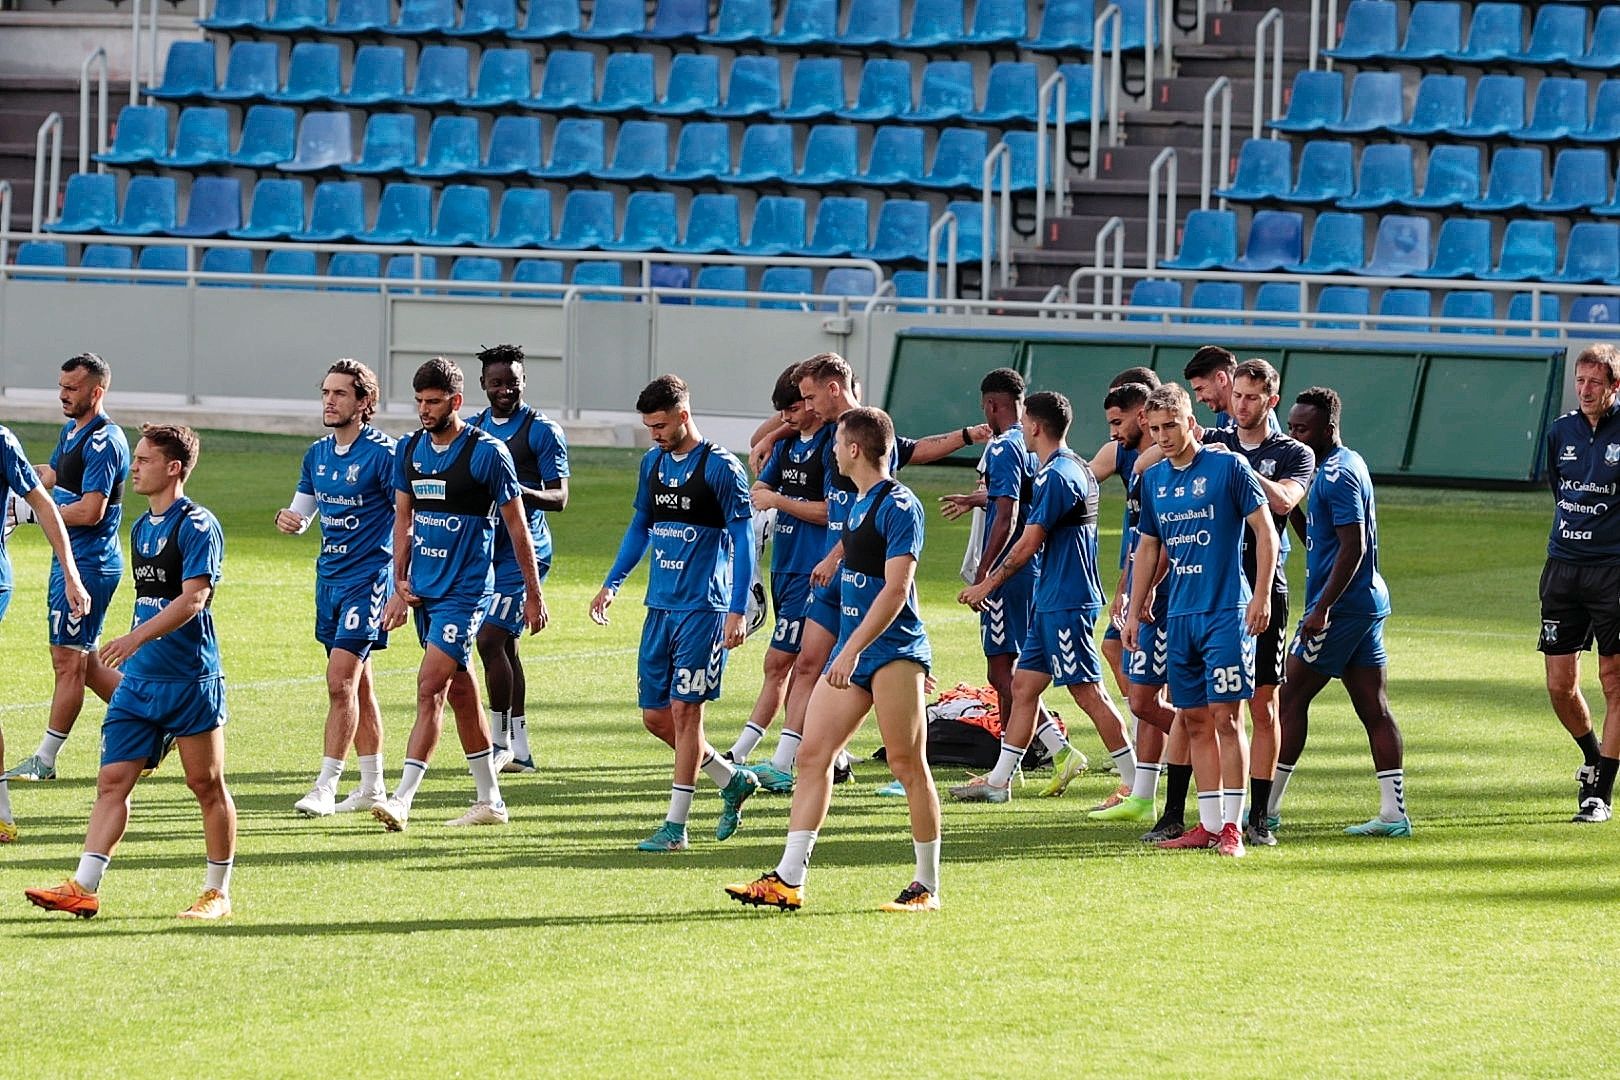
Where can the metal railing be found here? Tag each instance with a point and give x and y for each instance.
(1165, 162)
(143, 40)
(1162, 19)
(49, 129)
(1055, 90)
(84, 110)
(1273, 21)
(1322, 34)
(1111, 15)
(5, 220)
(1002, 236)
(947, 224)
(1222, 88)
(1114, 227)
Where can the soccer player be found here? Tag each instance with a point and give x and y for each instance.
(86, 480)
(1194, 505)
(1127, 439)
(1058, 647)
(347, 482)
(1209, 373)
(882, 656)
(450, 479)
(173, 687)
(692, 511)
(793, 483)
(1283, 466)
(1341, 635)
(540, 453)
(1582, 575)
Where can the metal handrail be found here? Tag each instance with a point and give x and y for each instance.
(1055, 88)
(51, 128)
(1165, 18)
(946, 223)
(152, 44)
(135, 50)
(1113, 14)
(1165, 161)
(1003, 236)
(1327, 31)
(84, 111)
(5, 220)
(1273, 21)
(1113, 227)
(1222, 87)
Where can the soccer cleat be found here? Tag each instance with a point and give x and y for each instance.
(360, 799)
(501, 758)
(914, 897)
(982, 790)
(1133, 809)
(519, 765)
(481, 813)
(1273, 822)
(8, 831)
(393, 814)
(1586, 776)
(69, 896)
(1196, 837)
(732, 797)
(318, 803)
(843, 768)
(211, 905)
(771, 778)
(1114, 798)
(1068, 764)
(30, 769)
(669, 837)
(1230, 842)
(1166, 828)
(1379, 827)
(1592, 810)
(768, 890)
(1259, 836)
(894, 789)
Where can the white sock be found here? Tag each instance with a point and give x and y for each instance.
(680, 803)
(1392, 794)
(927, 875)
(795, 864)
(520, 737)
(718, 769)
(410, 779)
(747, 739)
(787, 751)
(331, 773)
(50, 746)
(1002, 774)
(1125, 762)
(371, 772)
(5, 800)
(219, 876)
(482, 766)
(1050, 736)
(1232, 807)
(1147, 780)
(1209, 810)
(1279, 784)
(500, 728)
(91, 867)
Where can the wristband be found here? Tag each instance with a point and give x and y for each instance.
(967, 437)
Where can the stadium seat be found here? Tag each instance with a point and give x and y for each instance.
(1326, 173)
(842, 226)
(649, 223)
(1498, 107)
(1277, 296)
(1462, 251)
(614, 19)
(1451, 178)
(1495, 32)
(409, 268)
(1022, 148)
(787, 281)
(1558, 36)
(1369, 31)
(885, 92)
(149, 207)
(935, 23)
(296, 15)
(1560, 110)
(403, 214)
(1580, 181)
(1386, 177)
(232, 260)
(1441, 106)
(140, 135)
(587, 221)
(547, 20)
(1010, 94)
(1077, 80)
(1208, 241)
(693, 86)
(269, 137)
(627, 84)
(1592, 253)
(213, 207)
(777, 227)
(817, 90)
(829, 156)
(462, 217)
(1376, 103)
(870, 22)
(251, 72)
(89, 204)
(1604, 127)
(902, 232)
(970, 230)
(361, 17)
(897, 156)
(1223, 296)
(577, 149)
(354, 265)
(170, 259)
(1468, 304)
(236, 15)
(107, 257)
(514, 147)
(599, 274)
(275, 212)
(1519, 308)
(1400, 248)
(389, 144)
(946, 93)
(479, 268)
(337, 212)
(913, 285)
(766, 154)
(1529, 252)
(1603, 52)
(1338, 244)
(378, 77)
(641, 150)
(722, 279)
(493, 19)
(856, 281)
(1275, 241)
(998, 22)
(1264, 170)
(441, 76)
(1433, 29)
(670, 276)
(291, 264)
(753, 89)
(40, 253)
(741, 21)
(1067, 26)
(569, 81)
(1412, 303)
(959, 155)
(503, 79)
(702, 152)
(188, 72)
(452, 148)
(1315, 101)
(675, 20)
(1342, 300)
(1515, 180)
(1154, 293)
(424, 18)
(806, 22)
(313, 74)
(713, 223)
(326, 141)
(1594, 309)
(525, 219)
(537, 272)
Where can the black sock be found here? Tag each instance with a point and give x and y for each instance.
(1604, 788)
(1589, 747)
(1175, 792)
(1259, 800)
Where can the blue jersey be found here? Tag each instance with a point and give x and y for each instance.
(17, 476)
(353, 489)
(796, 469)
(184, 542)
(1277, 458)
(1583, 467)
(689, 511)
(1125, 468)
(1197, 512)
(1342, 494)
(1065, 506)
(1009, 471)
(886, 523)
(841, 489)
(93, 460)
(540, 455)
(455, 491)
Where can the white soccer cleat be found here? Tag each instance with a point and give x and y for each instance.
(501, 759)
(360, 799)
(318, 803)
(393, 813)
(481, 813)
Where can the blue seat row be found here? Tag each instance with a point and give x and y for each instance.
(405, 214)
(769, 153)
(1558, 35)
(443, 76)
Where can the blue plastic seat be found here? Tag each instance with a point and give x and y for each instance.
(452, 147)
(537, 272)
(409, 268)
(1386, 177)
(842, 226)
(1495, 32)
(441, 76)
(614, 19)
(1462, 251)
(107, 257)
(1326, 173)
(313, 74)
(587, 221)
(275, 212)
(713, 223)
(914, 285)
(1529, 252)
(337, 212)
(1558, 36)
(934, 23)
(389, 144)
(1208, 240)
(201, 138)
(547, 20)
(806, 22)
(43, 253)
(236, 15)
(1592, 253)
(503, 79)
(753, 88)
(1451, 178)
(897, 156)
(829, 156)
(1277, 296)
(403, 214)
(766, 154)
(741, 21)
(1369, 31)
(1154, 293)
(232, 260)
(140, 135)
(778, 226)
(854, 281)
(1066, 26)
(1376, 103)
(1275, 241)
(1011, 94)
(870, 22)
(149, 207)
(818, 90)
(325, 141)
(693, 86)
(641, 150)
(424, 18)
(1498, 107)
(486, 18)
(291, 264)
(649, 223)
(462, 217)
(89, 204)
(1560, 110)
(1315, 102)
(678, 19)
(1515, 180)
(1400, 248)
(1412, 303)
(578, 148)
(514, 147)
(787, 281)
(354, 265)
(1338, 244)
(188, 72)
(1604, 127)
(361, 17)
(1022, 147)
(251, 71)
(568, 82)
(1519, 308)
(959, 155)
(269, 137)
(1343, 300)
(599, 274)
(627, 84)
(885, 92)
(161, 258)
(1264, 168)
(525, 219)
(213, 207)
(902, 232)
(480, 268)
(946, 92)
(1077, 80)
(1594, 309)
(970, 241)
(999, 22)
(1603, 52)
(1221, 296)
(703, 152)
(1580, 181)
(296, 15)
(1473, 304)
(722, 279)
(378, 76)
(670, 276)
(1433, 29)
(1441, 106)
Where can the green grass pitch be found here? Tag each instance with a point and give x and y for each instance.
(1482, 946)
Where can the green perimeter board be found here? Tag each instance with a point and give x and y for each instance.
(1377, 390)
(934, 382)
(1082, 373)
(1481, 417)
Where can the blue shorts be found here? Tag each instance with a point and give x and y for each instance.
(5, 601)
(872, 662)
(1147, 665)
(1059, 644)
(1347, 641)
(790, 596)
(683, 655)
(348, 614)
(450, 624)
(1112, 632)
(505, 608)
(68, 632)
(823, 609)
(145, 713)
(1005, 621)
(1211, 658)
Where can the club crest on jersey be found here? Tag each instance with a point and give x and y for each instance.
(1198, 487)
(353, 475)
(1611, 454)
(1268, 468)
(1549, 630)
